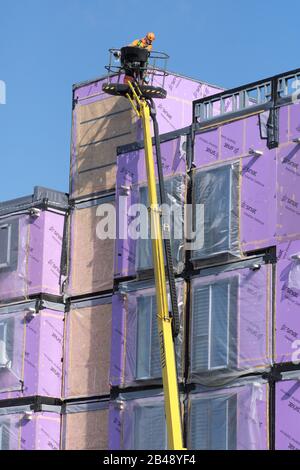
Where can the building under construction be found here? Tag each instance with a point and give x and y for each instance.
(80, 355)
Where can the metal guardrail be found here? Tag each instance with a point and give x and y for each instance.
(257, 94)
(155, 67)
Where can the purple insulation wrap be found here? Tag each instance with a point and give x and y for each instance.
(27, 430)
(288, 182)
(34, 255)
(31, 351)
(287, 302)
(135, 354)
(269, 190)
(287, 413)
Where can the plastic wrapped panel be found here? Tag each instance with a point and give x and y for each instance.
(137, 422)
(12, 350)
(40, 432)
(135, 355)
(231, 324)
(133, 247)
(87, 349)
(217, 191)
(233, 418)
(86, 275)
(31, 351)
(30, 255)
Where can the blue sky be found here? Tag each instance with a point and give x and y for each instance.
(47, 45)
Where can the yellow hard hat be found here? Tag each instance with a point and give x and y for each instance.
(150, 36)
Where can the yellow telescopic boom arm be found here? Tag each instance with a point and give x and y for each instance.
(167, 349)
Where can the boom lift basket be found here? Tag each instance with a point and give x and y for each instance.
(140, 66)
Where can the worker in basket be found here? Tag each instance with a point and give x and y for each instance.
(144, 43)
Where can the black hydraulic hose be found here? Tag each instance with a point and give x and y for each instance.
(167, 243)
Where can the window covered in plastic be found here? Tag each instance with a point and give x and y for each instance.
(12, 349)
(214, 325)
(213, 423)
(8, 245)
(150, 427)
(175, 194)
(4, 435)
(147, 339)
(216, 189)
(6, 343)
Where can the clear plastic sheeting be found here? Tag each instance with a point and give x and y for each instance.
(12, 349)
(232, 418)
(135, 316)
(134, 244)
(137, 422)
(231, 323)
(10, 431)
(216, 213)
(172, 216)
(14, 237)
(294, 273)
(30, 254)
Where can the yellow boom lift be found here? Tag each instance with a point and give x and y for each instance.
(138, 88)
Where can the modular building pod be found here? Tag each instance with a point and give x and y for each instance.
(23, 428)
(133, 255)
(246, 158)
(85, 426)
(231, 321)
(31, 234)
(135, 354)
(137, 421)
(31, 347)
(87, 348)
(91, 249)
(231, 417)
(101, 123)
